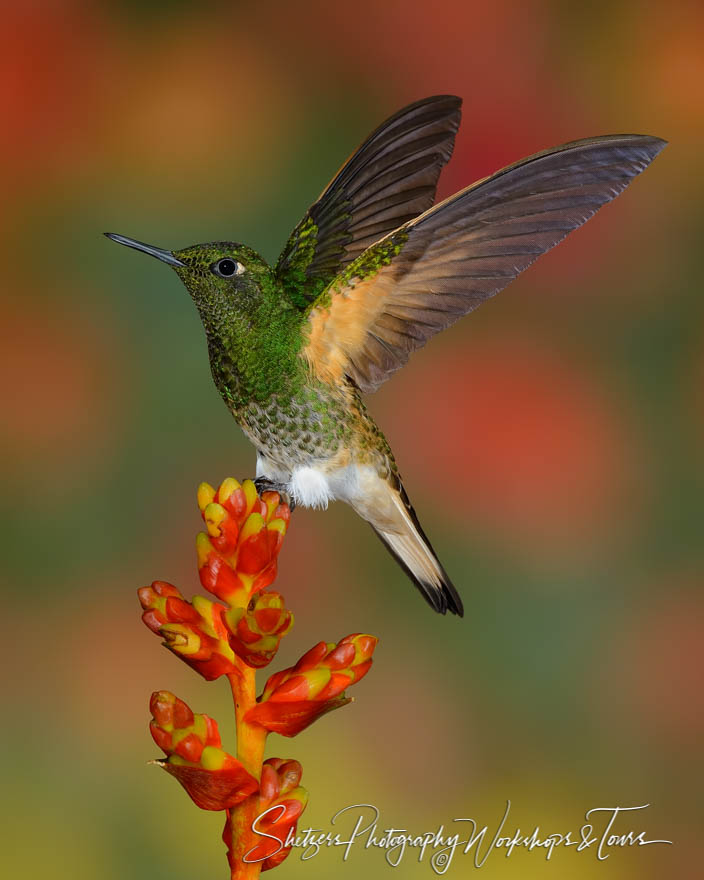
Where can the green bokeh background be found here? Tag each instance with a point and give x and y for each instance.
(552, 444)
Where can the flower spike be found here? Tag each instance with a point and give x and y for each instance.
(234, 636)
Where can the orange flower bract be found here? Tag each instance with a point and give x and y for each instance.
(256, 631)
(194, 631)
(294, 698)
(191, 742)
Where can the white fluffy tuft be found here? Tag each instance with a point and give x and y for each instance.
(310, 487)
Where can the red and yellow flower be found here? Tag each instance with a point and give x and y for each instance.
(295, 697)
(237, 555)
(195, 631)
(237, 560)
(194, 754)
(256, 631)
(281, 802)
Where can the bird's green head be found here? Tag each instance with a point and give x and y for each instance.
(229, 282)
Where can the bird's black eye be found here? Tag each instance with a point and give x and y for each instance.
(227, 267)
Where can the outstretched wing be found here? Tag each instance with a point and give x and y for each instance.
(425, 275)
(389, 180)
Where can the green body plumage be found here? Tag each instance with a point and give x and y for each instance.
(255, 328)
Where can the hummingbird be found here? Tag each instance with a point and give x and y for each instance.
(372, 271)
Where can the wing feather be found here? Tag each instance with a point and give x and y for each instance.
(435, 268)
(390, 179)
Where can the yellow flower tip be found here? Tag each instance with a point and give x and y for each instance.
(272, 501)
(214, 514)
(233, 617)
(252, 525)
(227, 487)
(247, 581)
(203, 548)
(177, 760)
(204, 607)
(205, 495)
(180, 639)
(174, 639)
(212, 758)
(250, 493)
(277, 525)
(298, 794)
(199, 727)
(179, 734)
(364, 646)
(317, 680)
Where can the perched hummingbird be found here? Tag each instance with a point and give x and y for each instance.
(372, 271)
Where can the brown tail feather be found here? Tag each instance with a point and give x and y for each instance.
(410, 547)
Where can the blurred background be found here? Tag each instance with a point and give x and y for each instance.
(551, 443)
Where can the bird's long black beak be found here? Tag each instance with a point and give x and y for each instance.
(159, 253)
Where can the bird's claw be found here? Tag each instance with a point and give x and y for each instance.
(264, 484)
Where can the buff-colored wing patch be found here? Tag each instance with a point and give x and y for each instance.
(424, 276)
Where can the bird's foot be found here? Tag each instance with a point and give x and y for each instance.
(264, 484)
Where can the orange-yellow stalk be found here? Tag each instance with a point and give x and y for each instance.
(251, 740)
